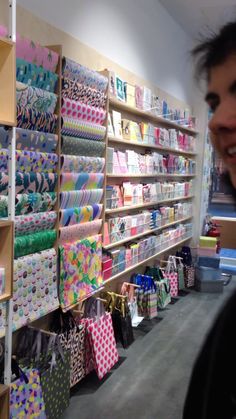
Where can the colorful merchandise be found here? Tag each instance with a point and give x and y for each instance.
(35, 98)
(83, 129)
(79, 231)
(80, 198)
(84, 164)
(82, 147)
(78, 215)
(79, 110)
(33, 202)
(35, 76)
(74, 181)
(35, 141)
(35, 222)
(84, 75)
(73, 90)
(32, 161)
(31, 182)
(35, 242)
(35, 120)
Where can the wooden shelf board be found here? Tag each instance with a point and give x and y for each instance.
(143, 262)
(6, 223)
(8, 123)
(113, 102)
(3, 389)
(150, 204)
(4, 297)
(6, 42)
(145, 233)
(162, 175)
(152, 147)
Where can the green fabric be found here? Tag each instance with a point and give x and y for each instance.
(32, 243)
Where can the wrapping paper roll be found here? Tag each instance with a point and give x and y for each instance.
(34, 287)
(79, 215)
(80, 198)
(77, 181)
(35, 222)
(3, 206)
(3, 183)
(79, 231)
(34, 182)
(80, 93)
(35, 76)
(84, 75)
(80, 269)
(35, 98)
(4, 137)
(79, 110)
(78, 164)
(29, 161)
(3, 160)
(34, 202)
(35, 141)
(82, 147)
(34, 53)
(83, 129)
(37, 121)
(35, 242)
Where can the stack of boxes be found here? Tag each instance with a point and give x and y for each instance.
(208, 272)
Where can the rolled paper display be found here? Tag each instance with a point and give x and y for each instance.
(83, 129)
(35, 140)
(28, 118)
(78, 215)
(35, 182)
(36, 76)
(79, 231)
(73, 199)
(78, 164)
(3, 160)
(77, 181)
(35, 222)
(82, 147)
(34, 202)
(31, 243)
(3, 206)
(79, 110)
(30, 161)
(83, 75)
(80, 93)
(35, 98)
(80, 269)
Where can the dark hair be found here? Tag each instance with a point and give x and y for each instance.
(215, 49)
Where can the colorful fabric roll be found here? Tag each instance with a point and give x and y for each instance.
(4, 137)
(78, 164)
(77, 181)
(80, 93)
(79, 231)
(80, 269)
(3, 183)
(34, 202)
(37, 121)
(30, 161)
(35, 140)
(84, 75)
(35, 76)
(34, 182)
(82, 147)
(3, 160)
(80, 215)
(35, 222)
(80, 198)
(34, 53)
(3, 206)
(34, 287)
(35, 98)
(83, 129)
(35, 242)
(79, 110)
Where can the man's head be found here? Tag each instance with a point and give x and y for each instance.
(218, 62)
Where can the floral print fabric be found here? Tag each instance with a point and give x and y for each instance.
(34, 202)
(34, 182)
(35, 222)
(82, 147)
(35, 76)
(82, 164)
(35, 98)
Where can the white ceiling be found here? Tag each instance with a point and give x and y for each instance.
(198, 16)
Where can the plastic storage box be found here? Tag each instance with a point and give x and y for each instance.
(210, 262)
(209, 280)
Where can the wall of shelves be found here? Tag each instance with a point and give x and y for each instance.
(7, 83)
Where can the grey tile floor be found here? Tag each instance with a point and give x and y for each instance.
(152, 380)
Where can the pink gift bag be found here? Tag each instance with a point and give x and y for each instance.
(172, 274)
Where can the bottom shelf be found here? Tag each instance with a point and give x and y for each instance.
(4, 401)
(143, 262)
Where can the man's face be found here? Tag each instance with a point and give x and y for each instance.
(221, 98)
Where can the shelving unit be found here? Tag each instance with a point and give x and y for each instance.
(7, 83)
(4, 401)
(6, 257)
(158, 175)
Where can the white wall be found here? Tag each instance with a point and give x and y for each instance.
(137, 34)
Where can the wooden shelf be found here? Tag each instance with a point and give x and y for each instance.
(115, 103)
(145, 233)
(122, 141)
(6, 257)
(146, 205)
(143, 262)
(7, 83)
(4, 401)
(158, 175)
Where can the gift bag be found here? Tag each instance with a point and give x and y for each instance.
(146, 295)
(163, 293)
(172, 275)
(121, 320)
(189, 276)
(180, 271)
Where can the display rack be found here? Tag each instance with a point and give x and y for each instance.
(7, 83)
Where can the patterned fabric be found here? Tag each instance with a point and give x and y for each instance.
(173, 280)
(84, 75)
(79, 110)
(36, 76)
(102, 340)
(77, 181)
(35, 141)
(26, 399)
(163, 293)
(3, 183)
(83, 129)
(3, 206)
(80, 198)
(37, 121)
(80, 93)
(35, 98)
(78, 215)
(34, 182)
(30, 161)
(82, 147)
(78, 164)
(189, 276)
(80, 269)
(23, 245)
(3, 160)
(33, 202)
(34, 53)
(35, 222)
(79, 231)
